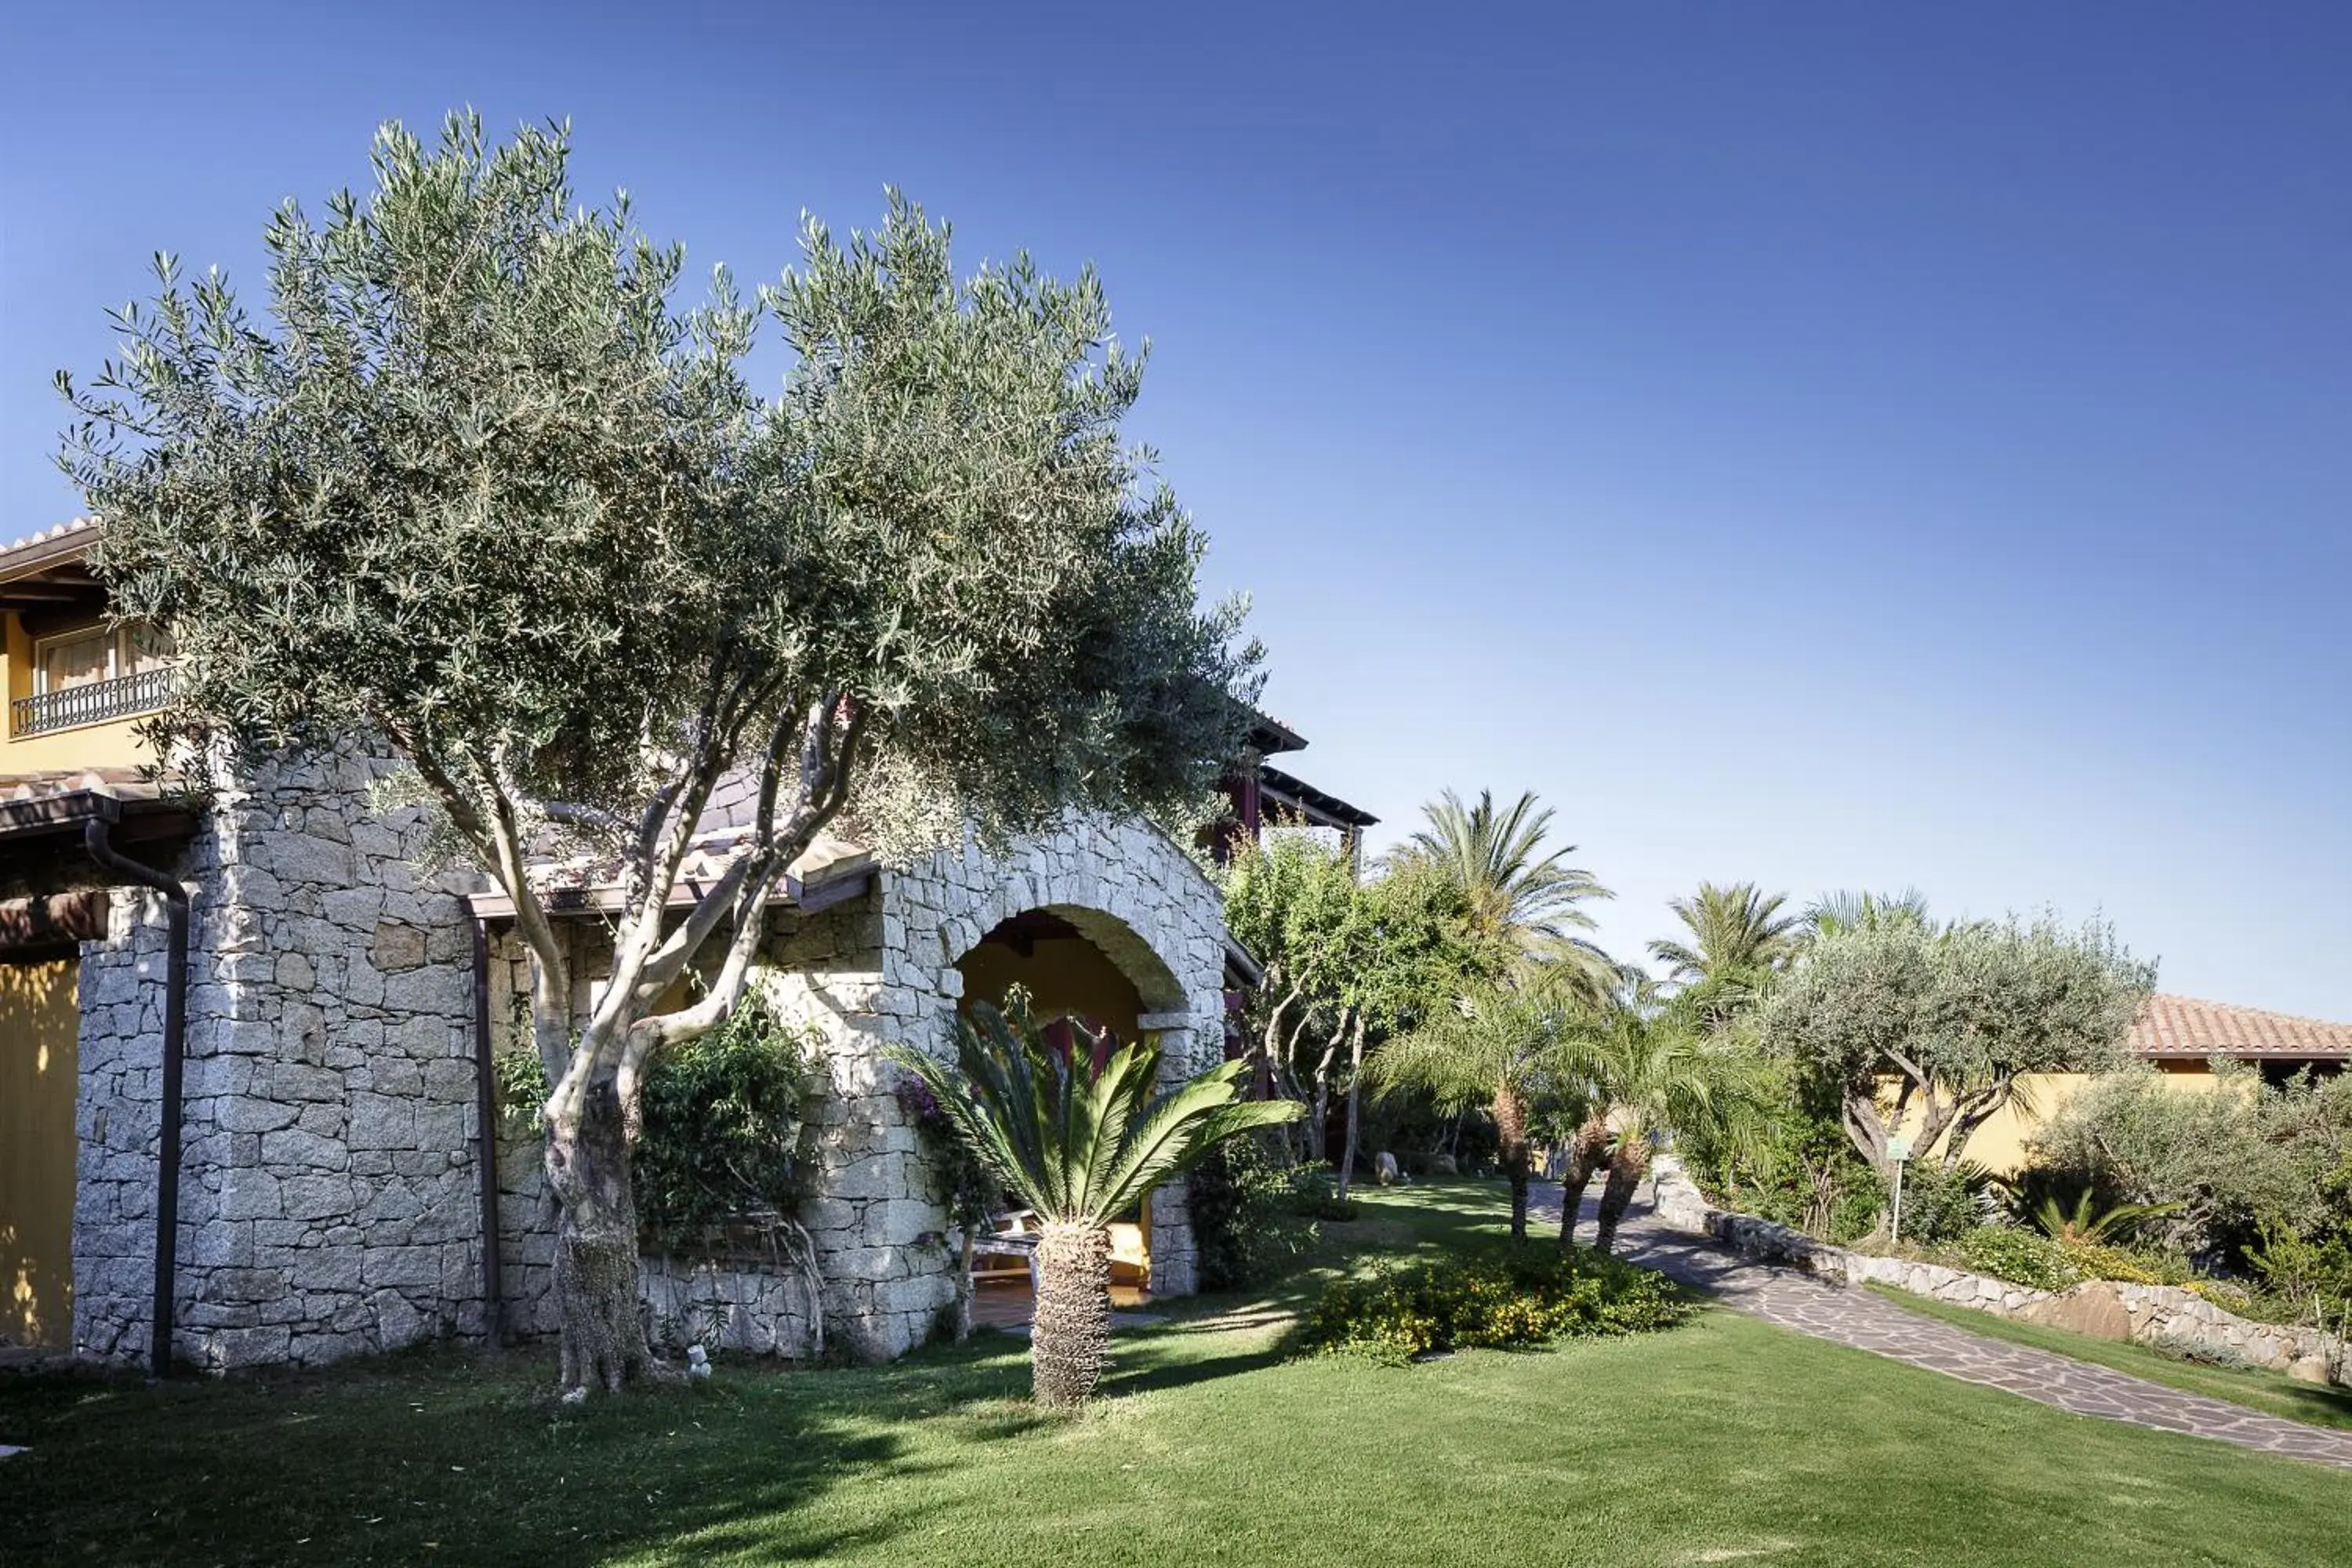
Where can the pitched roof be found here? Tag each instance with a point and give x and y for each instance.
(34, 550)
(2182, 1027)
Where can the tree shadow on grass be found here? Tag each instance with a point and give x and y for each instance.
(469, 1459)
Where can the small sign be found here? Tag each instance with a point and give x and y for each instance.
(1898, 1148)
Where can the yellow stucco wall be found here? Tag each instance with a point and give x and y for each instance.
(2000, 1144)
(113, 745)
(1065, 976)
(39, 1023)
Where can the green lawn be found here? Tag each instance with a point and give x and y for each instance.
(2274, 1394)
(1727, 1440)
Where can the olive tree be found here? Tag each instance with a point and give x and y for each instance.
(474, 488)
(1901, 1019)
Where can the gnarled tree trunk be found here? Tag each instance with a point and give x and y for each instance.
(603, 1333)
(1071, 1328)
(1355, 1110)
(1586, 1151)
(1627, 1164)
(1511, 1135)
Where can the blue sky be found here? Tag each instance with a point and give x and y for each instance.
(1830, 444)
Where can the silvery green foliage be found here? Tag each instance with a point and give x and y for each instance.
(1952, 1018)
(472, 485)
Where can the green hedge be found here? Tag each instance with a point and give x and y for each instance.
(1523, 1295)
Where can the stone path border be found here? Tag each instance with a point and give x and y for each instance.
(1866, 1321)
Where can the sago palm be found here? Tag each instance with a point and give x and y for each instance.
(1737, 929)
(1081, 1138)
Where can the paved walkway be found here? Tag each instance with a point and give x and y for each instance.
(1868, 1321)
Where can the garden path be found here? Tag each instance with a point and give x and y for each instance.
(1867, 1322)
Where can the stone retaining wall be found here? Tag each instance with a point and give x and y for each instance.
(2164, 1315)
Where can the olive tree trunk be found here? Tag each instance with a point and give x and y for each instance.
(603, 1333)
(1355, 1111)
(1071, 1328)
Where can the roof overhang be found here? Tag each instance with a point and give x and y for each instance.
(821, 886)
(1314, 804)
(50, 571)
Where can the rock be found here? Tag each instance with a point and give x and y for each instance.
(2095, 1308)
(2311, 1369)
(1444, 1165)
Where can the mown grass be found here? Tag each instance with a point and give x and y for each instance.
(2274, 1394)
(1727, 1440)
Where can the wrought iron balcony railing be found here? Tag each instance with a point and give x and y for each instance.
(93, 702)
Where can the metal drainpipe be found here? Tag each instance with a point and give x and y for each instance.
(175, 1029)
(486, 1120)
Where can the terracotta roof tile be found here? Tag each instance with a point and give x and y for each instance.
(2180, 1026)
(52, 535)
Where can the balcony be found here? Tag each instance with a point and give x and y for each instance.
(92, 702)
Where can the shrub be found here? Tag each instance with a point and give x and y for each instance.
(2126, 1264)
(2021, 1256)
(1523, 1295)
(1246, 1222)
(722, 1114)
(1942, 1204)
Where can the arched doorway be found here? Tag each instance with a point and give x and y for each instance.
(1089, 967)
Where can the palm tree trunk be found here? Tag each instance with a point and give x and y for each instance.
(1511, 1135)
(1585, 1152)
(1071, 1328)
(1627, 1164)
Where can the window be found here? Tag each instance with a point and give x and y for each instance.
(91, 654)
(93, 675)
(78, 658)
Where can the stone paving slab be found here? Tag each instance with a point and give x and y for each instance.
(1867, 1322)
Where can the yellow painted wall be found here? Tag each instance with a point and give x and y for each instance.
(1065, 976)
(109, 746)
(1068, 975)
(39, 1025)
(2000, 1144)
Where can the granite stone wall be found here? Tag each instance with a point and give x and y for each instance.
(326, 1198)
(329, 1202)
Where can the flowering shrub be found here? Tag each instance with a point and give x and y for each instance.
(2024, 1258)
(1522, 1295)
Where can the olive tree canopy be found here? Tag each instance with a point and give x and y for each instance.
(1901, 1018)
(472, 485)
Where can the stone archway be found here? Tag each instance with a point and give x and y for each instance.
(1089, 967)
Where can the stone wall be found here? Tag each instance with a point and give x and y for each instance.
(327, 1195)
(879, 972)
(871, 974)
(116, 1103)
(329, 1201)
(2167, 1317)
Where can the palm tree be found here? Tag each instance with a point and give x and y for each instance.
(1503, 1048)
(1080, 1138)
(1654, 1073)
(1852, 911)
(1732, 929)
(1525, 899)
